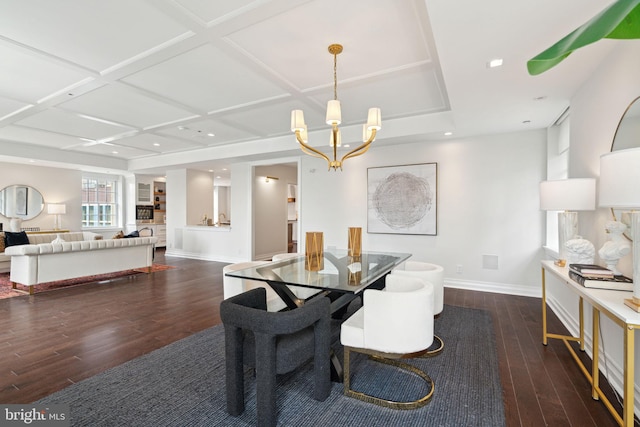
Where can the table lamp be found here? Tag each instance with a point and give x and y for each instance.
(567, 196)
(620, 189)
(57, 209)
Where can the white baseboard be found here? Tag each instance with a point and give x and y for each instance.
(172, 252)
(498, 288)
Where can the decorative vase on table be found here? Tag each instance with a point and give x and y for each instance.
(314, 252)
(355, 255)
(355, 241)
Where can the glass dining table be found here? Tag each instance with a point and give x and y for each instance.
(341, 276)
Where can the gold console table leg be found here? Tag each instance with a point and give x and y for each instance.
(595, 383)
(581, 314)
(629, 375)
(544, 309)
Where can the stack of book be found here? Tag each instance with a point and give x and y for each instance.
(595, 276)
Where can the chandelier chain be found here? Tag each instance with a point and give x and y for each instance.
(335, 76)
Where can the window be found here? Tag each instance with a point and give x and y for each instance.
(558, 147)
(100, 202)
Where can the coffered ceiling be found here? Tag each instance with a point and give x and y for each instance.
(151, 85)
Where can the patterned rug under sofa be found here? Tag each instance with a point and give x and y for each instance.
(6, 291)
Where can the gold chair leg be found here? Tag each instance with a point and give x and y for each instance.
(438, 347)
(382, 358)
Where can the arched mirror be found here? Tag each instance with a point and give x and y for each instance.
(627, 136)
(21, 201)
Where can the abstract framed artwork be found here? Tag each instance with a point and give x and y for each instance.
(403, 199)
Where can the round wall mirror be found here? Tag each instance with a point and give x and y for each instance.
(626, 136)
(21, 201)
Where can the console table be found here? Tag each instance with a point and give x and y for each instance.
(611, 304)
(47, 231)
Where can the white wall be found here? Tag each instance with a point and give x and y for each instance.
(224, 202)
(199, 196)
(487, 205)
(271, 209)
(55, 185)
(595, 112)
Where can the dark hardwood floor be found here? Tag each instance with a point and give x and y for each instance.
(53, 339)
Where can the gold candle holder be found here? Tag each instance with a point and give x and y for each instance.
(355, 241)
(314, 252)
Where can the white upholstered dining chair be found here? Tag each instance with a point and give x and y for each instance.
(385, 328)
(433, 274)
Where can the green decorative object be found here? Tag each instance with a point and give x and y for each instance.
(621, 20)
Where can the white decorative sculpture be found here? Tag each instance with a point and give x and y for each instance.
(580, 251)
(616, 247)
(15, 224)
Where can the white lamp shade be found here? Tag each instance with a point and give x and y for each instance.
(620, 179)
(334, 113)
(297, 120)
(577, 194)
(374, 119)
(57, 208)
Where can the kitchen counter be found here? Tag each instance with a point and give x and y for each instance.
(206, 242)
(208, 227)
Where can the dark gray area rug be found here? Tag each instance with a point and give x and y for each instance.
(182, 384)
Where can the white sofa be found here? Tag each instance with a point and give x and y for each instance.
(33, 264)
(75, 236)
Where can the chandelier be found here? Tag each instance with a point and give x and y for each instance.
(334, 118)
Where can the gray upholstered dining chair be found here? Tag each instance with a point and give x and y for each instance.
(385, 328)
(433, 274)
(273, 343)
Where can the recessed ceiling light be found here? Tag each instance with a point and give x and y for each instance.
(526, 121)
(495, 63)
(211, 134)
(448, 133)
(182, 128)
(539, 98)
(218, 177)
(114, 152)
(210, 170)
(155, 144)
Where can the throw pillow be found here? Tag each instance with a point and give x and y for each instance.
(1, 242)
(15, 239)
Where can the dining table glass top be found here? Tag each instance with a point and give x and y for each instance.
(339, 272)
